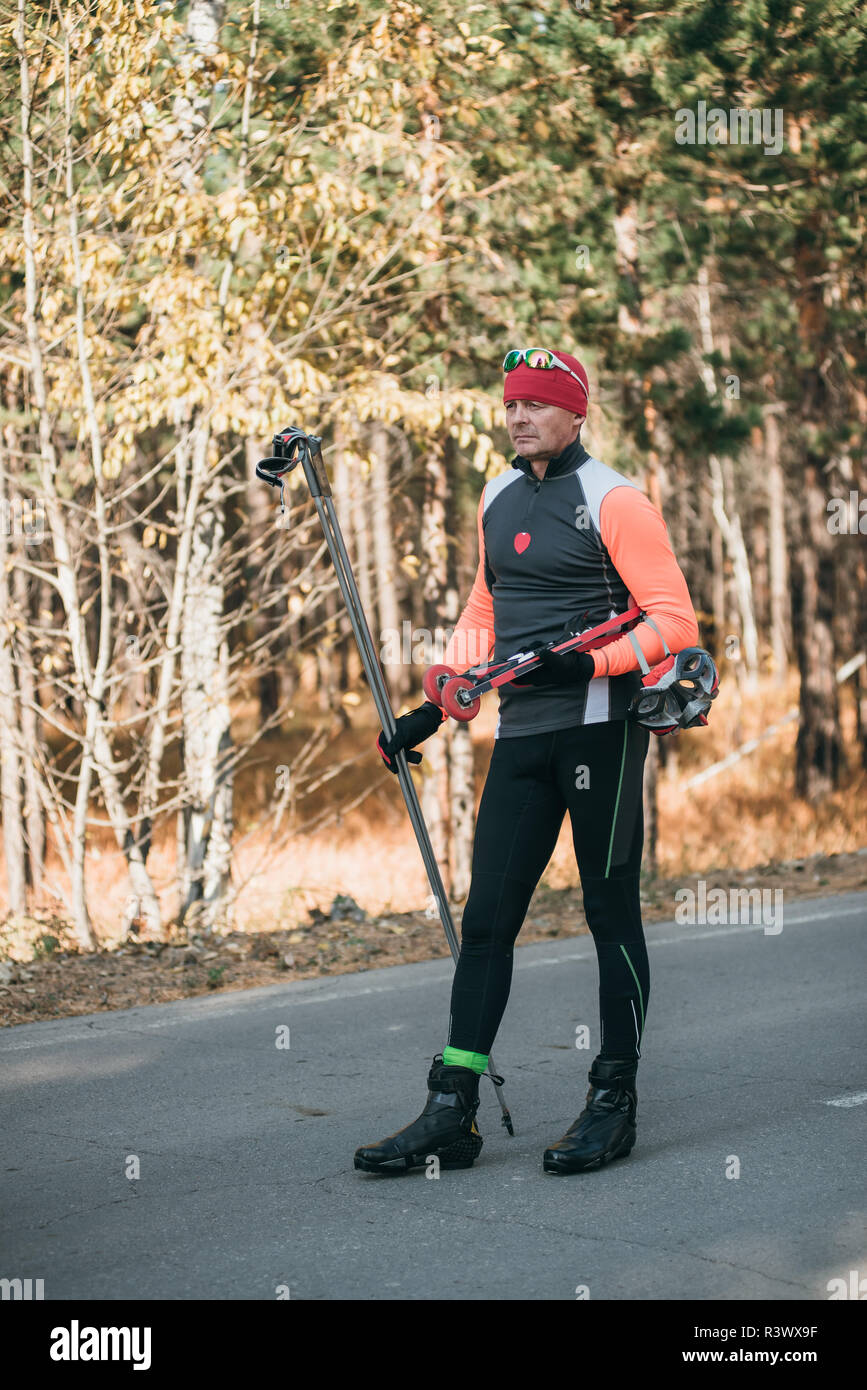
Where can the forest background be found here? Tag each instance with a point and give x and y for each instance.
(222, 217)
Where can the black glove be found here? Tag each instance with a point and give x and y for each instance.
(410, 729)
(560, 668)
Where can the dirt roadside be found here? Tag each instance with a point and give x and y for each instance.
(62, 983)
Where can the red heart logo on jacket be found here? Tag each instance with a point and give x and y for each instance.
(522, 540)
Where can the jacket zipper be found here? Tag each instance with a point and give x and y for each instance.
(537, 483)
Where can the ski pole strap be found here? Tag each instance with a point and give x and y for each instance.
(642, 659)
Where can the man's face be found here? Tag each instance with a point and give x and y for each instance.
(540, 431)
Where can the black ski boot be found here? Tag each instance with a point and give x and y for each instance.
(446, 1127)
(605, 1129)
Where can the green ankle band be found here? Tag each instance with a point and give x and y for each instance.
(454, 1057)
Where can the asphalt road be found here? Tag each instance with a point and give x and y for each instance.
(753, 1061)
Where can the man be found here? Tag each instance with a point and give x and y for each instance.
(561, 537)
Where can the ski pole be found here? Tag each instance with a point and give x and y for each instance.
(290, 447)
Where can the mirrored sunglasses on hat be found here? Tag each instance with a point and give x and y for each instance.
(544, 360)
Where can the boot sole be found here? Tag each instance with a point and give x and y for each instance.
(564, 1169)
(403, 1165)
(463, 1154)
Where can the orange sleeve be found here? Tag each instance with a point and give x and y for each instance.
(636, 538)
(472, 641)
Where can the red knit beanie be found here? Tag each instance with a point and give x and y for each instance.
(549, 386)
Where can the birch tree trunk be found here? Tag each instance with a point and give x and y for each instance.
(384, 558)
(206, 713)
(208, 766)
(327, 660)
(718, 578)
(259, 510)
(30, 734)
(725, 510)
(191, 107)
(462, 809)
(439, 787)
(18, 597)
(90, 673)
(142, 902)
(358, 488)
(629, 311)
(10, 763)
(188, 492)
(462, 782)
(435, 796)
(728, 520)
(778, 558)
(48, 463)
(630, 320)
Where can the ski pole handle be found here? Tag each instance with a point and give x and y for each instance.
(290, 447)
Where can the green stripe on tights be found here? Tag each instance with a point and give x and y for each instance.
(455, 1057)
(617, 801)
(637, 985)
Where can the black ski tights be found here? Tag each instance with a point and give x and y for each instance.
(595, 771)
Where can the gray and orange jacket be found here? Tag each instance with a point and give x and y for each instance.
(581, 546)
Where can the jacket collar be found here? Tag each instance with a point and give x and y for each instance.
(571, 458)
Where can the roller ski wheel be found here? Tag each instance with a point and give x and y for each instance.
(463, 713)
(433, 681)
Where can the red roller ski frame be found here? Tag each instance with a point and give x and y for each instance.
(460, 693)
